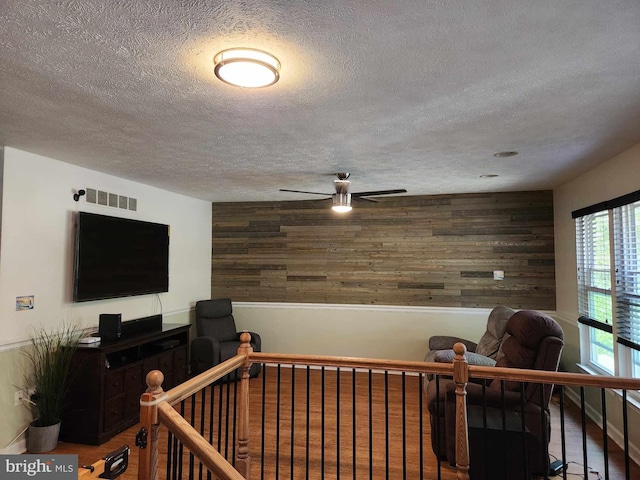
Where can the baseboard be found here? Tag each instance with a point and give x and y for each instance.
(613, 432)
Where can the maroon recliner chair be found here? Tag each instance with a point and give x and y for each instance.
(535, 342)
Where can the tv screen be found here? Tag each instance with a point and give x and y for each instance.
(119, 257)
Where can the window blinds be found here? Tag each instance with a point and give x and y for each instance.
(626, 222)
(594, 270)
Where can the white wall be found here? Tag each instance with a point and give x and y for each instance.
(36, 257)
(383, 332)
(613, 178)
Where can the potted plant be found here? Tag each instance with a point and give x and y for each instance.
(50, 356)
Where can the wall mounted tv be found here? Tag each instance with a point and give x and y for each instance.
(119, 257)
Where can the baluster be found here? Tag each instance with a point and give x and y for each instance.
(203, 404)
(583, 419)
(461, 378)
(404, 426)
(193, 424)
(322, 426)
(338, 423)
(263, 419)
(386, 424)
(523, 430)
(605, 435)
(353, 425)
(625, 424)
(308, 416)
(278, 404)
(243, 458)
(563, 433)
(234, 431)
(370, 424)
(169, 454)
(421, 422)
(180, 459)
(293, 420)
(438, 433)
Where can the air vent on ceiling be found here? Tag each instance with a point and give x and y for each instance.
(109, 199)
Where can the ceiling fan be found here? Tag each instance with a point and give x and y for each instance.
(342, 197)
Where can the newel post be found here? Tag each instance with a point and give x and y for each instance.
(243, 458)
(461, 378)
(147, 438)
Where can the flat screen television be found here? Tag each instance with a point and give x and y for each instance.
(119, 257)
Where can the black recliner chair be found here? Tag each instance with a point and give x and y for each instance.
(217, 338)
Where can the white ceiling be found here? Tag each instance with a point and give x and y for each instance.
(403, 94)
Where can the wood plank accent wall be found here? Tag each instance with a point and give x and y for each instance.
(412, 250)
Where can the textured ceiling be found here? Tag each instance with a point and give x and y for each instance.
(402, 94)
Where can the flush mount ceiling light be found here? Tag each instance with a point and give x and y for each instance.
(247, 67)
(341, 202)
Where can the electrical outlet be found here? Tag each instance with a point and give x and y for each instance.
(18, 396)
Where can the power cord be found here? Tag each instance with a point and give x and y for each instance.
(160, 302)
(581, 475)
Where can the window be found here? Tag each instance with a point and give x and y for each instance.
(601, 351)
(635, 364)
(626, 224)
(594, 286)
(608, 253)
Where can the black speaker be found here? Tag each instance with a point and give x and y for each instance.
(110, 326)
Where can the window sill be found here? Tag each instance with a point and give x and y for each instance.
(593, 369)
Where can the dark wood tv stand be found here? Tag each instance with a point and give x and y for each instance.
(109, 377)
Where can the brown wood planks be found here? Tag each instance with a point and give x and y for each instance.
(412, 250)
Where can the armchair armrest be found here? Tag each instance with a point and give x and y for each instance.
(255, 340)
(205, 353)
(440, 342)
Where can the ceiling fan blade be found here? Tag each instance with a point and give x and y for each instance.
(302, 191)
(378, 192)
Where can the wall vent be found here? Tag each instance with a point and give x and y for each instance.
(109, 199)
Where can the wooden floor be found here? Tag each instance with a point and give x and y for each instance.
(574, 449)
(335, 460)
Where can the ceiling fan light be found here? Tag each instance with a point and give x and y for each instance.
(341, 208)
(246, 67)
(341, 202)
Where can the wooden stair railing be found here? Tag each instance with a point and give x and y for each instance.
(156, 405)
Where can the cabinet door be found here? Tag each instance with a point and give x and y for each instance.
(133, 378)
(166, 367)
(179, 365)
(166, 362)
(131, 405)
(180, 357)
(113, 411)
(114, 384)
